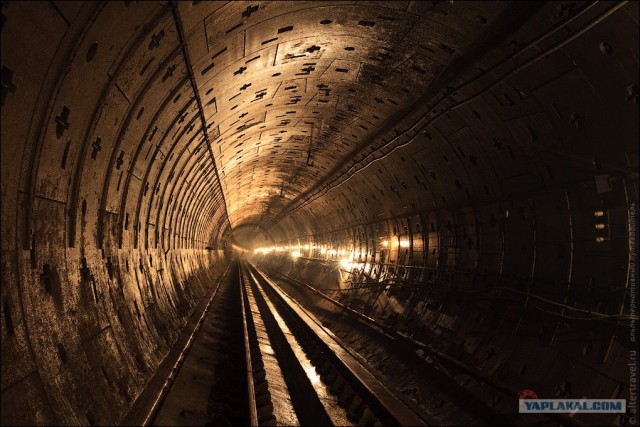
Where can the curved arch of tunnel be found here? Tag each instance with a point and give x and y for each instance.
(464, 146)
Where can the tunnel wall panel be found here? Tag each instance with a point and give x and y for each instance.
(86, 316)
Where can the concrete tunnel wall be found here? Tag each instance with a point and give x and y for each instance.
(137, 135)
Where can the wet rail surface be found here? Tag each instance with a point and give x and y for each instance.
(261, 359)
(312, 377)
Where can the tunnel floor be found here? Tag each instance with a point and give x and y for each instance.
(208, 384)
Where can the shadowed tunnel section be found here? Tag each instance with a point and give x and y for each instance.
(476, 164)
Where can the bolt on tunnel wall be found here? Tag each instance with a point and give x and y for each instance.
(465, 171)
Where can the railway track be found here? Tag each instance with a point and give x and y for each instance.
(259, 358)
(300, 373)
(441, 375)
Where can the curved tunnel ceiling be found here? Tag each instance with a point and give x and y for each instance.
(298, 97)
(141, 139)
(293, 90)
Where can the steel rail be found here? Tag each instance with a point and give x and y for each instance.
(253, 411)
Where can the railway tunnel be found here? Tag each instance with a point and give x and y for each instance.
(464, 174)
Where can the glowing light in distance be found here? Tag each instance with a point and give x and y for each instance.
(385, 243)
(295, 254)
(262, 250)
(404, 243)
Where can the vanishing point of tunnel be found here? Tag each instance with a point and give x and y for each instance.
(462, 174)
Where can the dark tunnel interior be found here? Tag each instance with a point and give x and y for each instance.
(472, 167)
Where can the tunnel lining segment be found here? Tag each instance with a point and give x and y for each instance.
(37, 127)
(337, 178)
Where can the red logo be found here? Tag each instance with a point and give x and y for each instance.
(527, 394)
